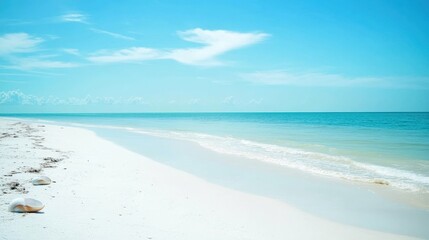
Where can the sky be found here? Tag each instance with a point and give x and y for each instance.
(213, 56)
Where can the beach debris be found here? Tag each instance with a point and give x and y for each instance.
(14, 172)
(52, 160)
(381, 182)
(49, 162)
(33, 170)
(13, 185)
(25, 205)
(41, 180)
(16, 186)
(47, 165)
(4, 135)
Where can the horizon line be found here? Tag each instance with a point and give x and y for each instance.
(208, 112)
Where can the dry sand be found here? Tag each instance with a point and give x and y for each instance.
(104, 191)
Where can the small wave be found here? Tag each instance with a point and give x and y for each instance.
(313, 162)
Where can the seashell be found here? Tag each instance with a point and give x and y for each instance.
(23, 205)
(41, 180)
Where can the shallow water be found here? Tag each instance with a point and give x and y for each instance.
(388, 148)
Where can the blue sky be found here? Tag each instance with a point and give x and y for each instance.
(166, 56)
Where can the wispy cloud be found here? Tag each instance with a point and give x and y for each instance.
(29, 63)
(112, 34)
(282, 77)
(215, 43)
(73, 17)
(15, 47)
(71, 51)
(18, 43)
(16, 97)
(15, 22)
(77, 17)
(135, 54)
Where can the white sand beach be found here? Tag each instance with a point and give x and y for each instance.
(103, 191)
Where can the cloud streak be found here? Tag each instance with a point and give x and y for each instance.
(215, 43)
(73, 17)
(282, 77)
(135, 54)
(82, 18)
(29, 63)
(112, 34)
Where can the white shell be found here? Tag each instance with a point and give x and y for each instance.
(41, 180)
(22, 205)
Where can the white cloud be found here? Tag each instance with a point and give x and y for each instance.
(16, 97)
(134, 54)
(18, 43)
(216, 42)
(112, 34)
(73, 17)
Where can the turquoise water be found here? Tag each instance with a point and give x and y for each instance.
(304, 159)
(387, 148)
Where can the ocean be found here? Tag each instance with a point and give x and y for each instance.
(369, 170)
(383, 148)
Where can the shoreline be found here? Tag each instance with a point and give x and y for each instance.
(353, 203)
(103, 190)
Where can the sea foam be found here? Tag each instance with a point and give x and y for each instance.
(342, 167)
(313, 162)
